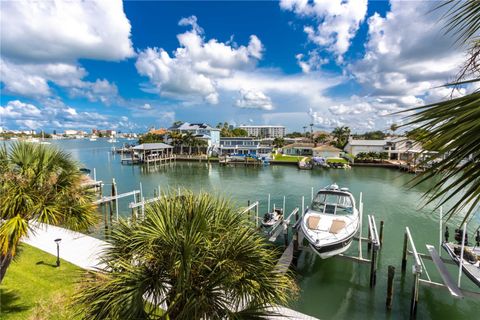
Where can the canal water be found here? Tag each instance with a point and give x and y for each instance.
(329, 289)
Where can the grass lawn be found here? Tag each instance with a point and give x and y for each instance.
(337, 160)
(286, 158)
(33, 288)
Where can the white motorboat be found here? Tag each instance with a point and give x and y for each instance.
(271, 218)
(331, 222)
(112, 140)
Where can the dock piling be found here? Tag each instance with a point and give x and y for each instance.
(404, 253)
(373, 267)
(391, 275)
(381, 232)
(414, 300)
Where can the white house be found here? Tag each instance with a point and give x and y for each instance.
(326, 151)
(243, 145)
(200, 131)
(356, 146)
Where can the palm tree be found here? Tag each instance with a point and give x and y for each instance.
(188, 139)
(341, 135)
(39, 183)
(177, 140)
(194, 256)
(452, 127)
(278, 142)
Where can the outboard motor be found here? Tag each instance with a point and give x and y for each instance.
(459, 236)
(447, 234)
(267, 217)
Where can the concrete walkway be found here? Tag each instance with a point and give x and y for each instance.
(77, 248)
(85, 252)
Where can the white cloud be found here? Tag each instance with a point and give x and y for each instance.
(254, 99)
(312, 63)
(53, 113)
(407, 56)
(338, 21)
(195, 67)
(52, 31)
(351, 109)
(42, 42)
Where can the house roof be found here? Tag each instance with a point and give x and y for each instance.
(327, 147)
(158, 131)
(367, 142)
(299, 145)
(193, 126)
(152, 146)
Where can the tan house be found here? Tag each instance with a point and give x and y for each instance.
(326, 151)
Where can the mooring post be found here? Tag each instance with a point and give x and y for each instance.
(404, 253)
(285, 233)
(373, 267)
(381, 232)
(391, 275)
(104, 212)
(414, 301)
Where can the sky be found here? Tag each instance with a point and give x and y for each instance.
(134, 65)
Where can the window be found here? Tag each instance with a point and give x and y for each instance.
(328, 203)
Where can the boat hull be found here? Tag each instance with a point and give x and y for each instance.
(333, 249)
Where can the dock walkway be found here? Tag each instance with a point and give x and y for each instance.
(85, 252)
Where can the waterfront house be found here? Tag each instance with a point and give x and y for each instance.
(326, 151)
(243, 145)
(354, 147)
(201, 131)
(298, 149)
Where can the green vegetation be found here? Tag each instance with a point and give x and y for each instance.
(151, 138)
(337, 160)
(278, 142)
(287, 158)
(227, 130)
(195, 253)
(371, 135)
(35, 289)
(369, 156)
(341, 134)
(294, 134)
(39, 182)
(452, 127)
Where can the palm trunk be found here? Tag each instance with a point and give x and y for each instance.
(5, 260)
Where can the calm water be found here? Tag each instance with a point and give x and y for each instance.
(330, 289)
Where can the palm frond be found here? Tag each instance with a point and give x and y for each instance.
(452, 128)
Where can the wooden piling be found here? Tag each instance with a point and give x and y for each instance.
(373, 267)
(381, 232)
(414, 300)
(114, 193)
(104, 212)
(285, 233)
(404, 254)
(391, 275)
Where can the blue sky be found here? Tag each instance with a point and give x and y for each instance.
(138, 64)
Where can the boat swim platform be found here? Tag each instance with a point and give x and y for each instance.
(86, 252)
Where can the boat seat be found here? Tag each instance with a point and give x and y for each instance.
(312, 222)
(337, 226)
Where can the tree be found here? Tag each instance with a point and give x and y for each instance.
(341, 135)
(278, 142)
(239, 132)
(39, 182)
(196, 255)
(294, 134)
(188, 139)
(321, 138)
(151, 138)
(394, 127)
(452, 127)
(177, 140)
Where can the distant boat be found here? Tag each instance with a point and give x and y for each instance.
(112, 140)
(93, 138)
(331, 222)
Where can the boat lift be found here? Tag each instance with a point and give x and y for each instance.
(419, 268)
(295, 245)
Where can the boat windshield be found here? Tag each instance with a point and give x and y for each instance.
(332, 203)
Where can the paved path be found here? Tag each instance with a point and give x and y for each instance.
(85, 251)
(77, 248)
